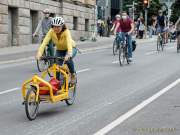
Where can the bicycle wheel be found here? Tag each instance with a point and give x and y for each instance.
(126, 54)
(115, 48)
(71, 93)
(161, 44)
(42, 64)
(31, 106)
(158, 44)
(178, 48)
(121, 56)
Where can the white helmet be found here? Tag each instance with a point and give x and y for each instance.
(46, 10)
(57, 21)
(118, 16)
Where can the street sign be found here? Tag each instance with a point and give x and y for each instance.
(167, 2)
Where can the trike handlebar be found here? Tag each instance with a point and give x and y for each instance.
(52, 58)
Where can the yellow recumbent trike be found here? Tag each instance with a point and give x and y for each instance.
(37, 89)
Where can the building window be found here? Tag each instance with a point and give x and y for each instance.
(75, 23)
(86, 24)
(52, 15)
(33, 24)
(12, 26)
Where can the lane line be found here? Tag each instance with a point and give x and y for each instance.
(150, 53)
(17, 60)
(83, 70)
(114, 62)
(136, 109)
(92, 52)
(153, 52)
(18, 88)
(168, 48)
(10, 90)
(84, 51)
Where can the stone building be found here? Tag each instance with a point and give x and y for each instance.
(19, 18)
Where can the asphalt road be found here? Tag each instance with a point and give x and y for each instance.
(106, 92)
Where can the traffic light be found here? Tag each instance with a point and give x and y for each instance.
(146, 3)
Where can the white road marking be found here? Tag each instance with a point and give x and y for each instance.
(114, 62)
(92, 52)
(150, 53)
(134, 110)
(10, 90)
(83, 70)
(95, 48)
(172, 47)
(17, 60)
(154, 52)
(84, 51)
(18, 88)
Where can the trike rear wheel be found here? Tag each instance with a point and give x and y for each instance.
(31, 106)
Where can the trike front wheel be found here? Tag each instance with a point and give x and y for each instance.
(31, 105)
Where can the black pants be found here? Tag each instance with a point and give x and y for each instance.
(141, 34)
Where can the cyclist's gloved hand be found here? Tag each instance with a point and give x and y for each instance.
(67, 57)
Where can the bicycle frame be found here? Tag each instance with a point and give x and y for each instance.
(62, 94)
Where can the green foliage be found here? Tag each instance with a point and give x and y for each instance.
(152, 10)
(175, 11)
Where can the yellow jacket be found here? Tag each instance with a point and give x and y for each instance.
(65, 41)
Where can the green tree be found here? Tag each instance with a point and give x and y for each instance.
(175, 11)
(152, 10)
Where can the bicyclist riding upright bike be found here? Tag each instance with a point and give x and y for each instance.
(45, 24)
(117, 29)
(127, 27)
(65, 45)
(161, 24)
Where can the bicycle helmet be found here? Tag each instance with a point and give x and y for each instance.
(118, 16)
(57, 21)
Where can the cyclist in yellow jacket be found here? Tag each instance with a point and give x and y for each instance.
(60, 35)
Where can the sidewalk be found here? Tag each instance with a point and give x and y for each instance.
(34, 47)
(9, 54)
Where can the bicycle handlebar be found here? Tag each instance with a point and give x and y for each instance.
(51, 58)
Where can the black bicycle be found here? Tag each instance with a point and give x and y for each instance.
(43, 64)
(123, 54)
(160, 39)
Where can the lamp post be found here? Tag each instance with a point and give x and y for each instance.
(121, 5)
